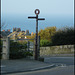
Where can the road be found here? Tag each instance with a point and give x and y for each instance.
(66, 70)
(64, 66)
(60, 60)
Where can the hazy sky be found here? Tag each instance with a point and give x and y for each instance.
(52, 10)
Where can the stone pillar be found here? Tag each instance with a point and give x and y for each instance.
(5, 48)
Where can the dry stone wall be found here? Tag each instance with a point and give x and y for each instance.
(57, 50)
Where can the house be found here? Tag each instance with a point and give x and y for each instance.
(5, 33)
(18, 34)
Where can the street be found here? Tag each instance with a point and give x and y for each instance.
(64, 66)
(66, 70)
(60, 60)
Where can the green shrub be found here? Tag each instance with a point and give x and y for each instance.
(63, 37)
(27, 53)
(16, 50)
(45, 43)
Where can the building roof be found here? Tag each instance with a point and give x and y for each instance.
(11, 34)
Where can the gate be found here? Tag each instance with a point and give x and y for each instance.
(6, 46)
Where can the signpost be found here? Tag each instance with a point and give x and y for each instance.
(37, 11)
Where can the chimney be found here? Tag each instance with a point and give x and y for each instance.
(32, 33)
(27, 32)
(3, 30)
(14, 29)
(9, 30)
(19, 29)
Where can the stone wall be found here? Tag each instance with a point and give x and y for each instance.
(57, 50)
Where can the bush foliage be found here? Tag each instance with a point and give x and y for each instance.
(63, 37)
(16, 51)
(45, 43)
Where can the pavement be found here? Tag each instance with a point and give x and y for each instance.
(22, 65)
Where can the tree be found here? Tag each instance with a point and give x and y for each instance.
(47, 33)
(63, 37)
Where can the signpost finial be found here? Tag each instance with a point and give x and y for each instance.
(37, 11)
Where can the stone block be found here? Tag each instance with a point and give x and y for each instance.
(47, 48)
(69, 46)
(72, 49)
(61, 47)
(65, 46)
(72, 46)
(44, 48)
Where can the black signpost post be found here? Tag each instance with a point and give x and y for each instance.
(37, 11)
